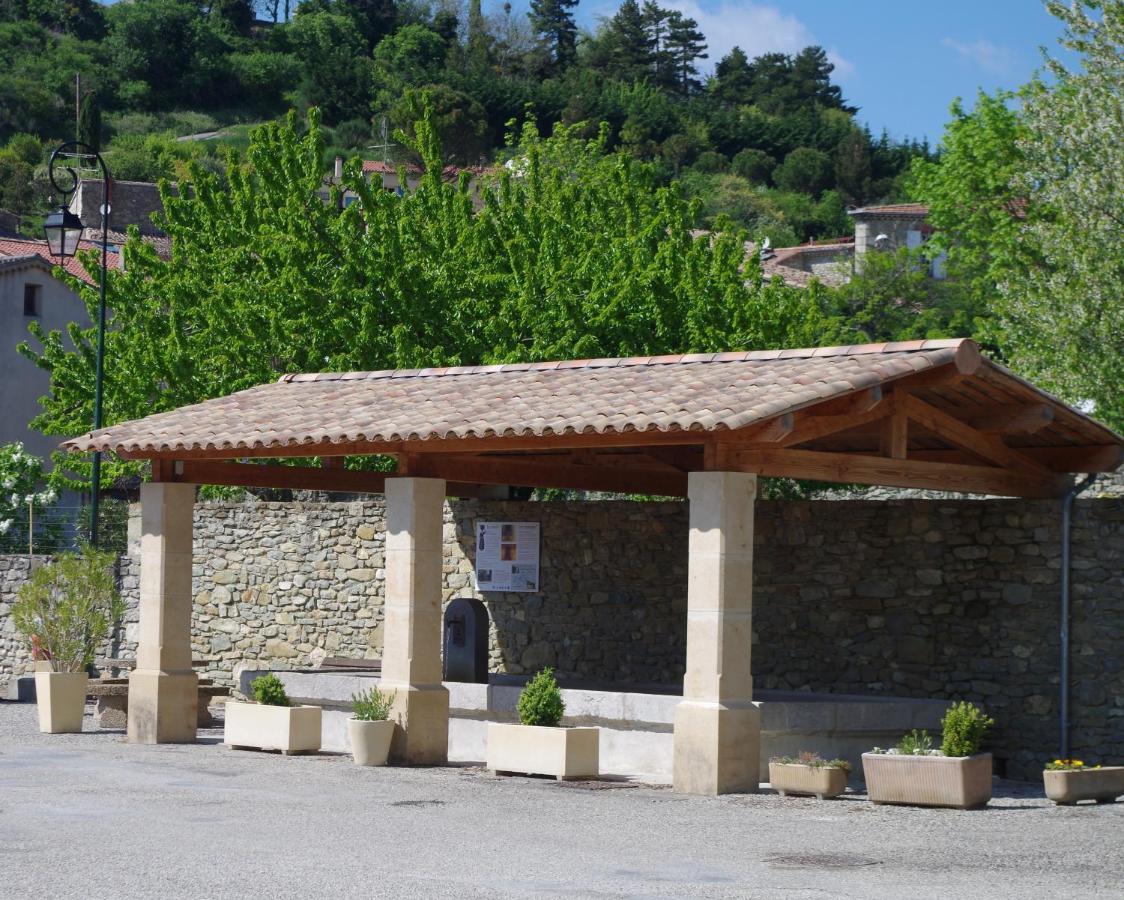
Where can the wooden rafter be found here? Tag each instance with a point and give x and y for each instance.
(1027, 418)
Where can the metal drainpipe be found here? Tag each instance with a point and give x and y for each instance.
(1067, 523)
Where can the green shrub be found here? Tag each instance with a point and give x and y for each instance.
(712, 162)
(914, 743)
(963, 728)
(541, 701)
(372, 705)
(269, 691)
(68, 607)
(755, 166)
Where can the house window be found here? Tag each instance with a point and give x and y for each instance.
(31, 294)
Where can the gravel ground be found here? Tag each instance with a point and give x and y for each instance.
(89, 816)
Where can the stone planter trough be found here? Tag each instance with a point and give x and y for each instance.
(1067, 787)
(795, 778)
(564, 753)
(290, 729)
(961, 782)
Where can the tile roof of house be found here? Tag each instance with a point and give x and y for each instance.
(910, 210)
(779, 263)
(161, 243)
(28, 261)
(26, 247)
(706, 392)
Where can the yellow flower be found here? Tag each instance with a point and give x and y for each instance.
(1057, 762)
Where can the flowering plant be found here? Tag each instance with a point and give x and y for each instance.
(1068, 765)
(21, 475)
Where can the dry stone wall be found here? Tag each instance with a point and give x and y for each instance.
(921, 598)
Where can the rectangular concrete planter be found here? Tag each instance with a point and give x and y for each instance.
(1103, 785)
(370, 741)
(796, 778)
(564, 753)
(61, 698)
(290, 729)
(961, 782)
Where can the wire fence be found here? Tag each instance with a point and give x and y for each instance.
(62, 529)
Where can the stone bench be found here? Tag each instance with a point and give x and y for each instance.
(111, 696)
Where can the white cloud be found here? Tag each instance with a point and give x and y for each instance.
(988, 56)
(756, 28)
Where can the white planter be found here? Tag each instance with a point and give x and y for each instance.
(796, 778)
(370, 741)
(61, 698)
(961, 782)
(290, 729)
(564, 753)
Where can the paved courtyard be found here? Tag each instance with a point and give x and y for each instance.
(89, 816)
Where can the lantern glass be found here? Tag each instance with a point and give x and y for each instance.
(64, 232)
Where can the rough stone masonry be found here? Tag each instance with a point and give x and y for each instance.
(921, 598)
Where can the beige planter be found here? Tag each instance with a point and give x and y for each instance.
(61, 698)
(565, 753)
(290, 729)
(1103, 785)
(795, 778)
(370, 741)
(961, 782)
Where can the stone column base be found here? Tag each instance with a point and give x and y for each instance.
(717, 748)
(163, 707)
(422, 714)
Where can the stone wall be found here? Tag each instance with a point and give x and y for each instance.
(913, 598)
(14, 656)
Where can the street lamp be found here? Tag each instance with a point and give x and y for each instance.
(63, 230)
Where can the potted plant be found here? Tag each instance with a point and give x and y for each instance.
(65, 611)
(916, 774)
(539, 746)
(272, 723)
(1070, 780)
(368, 729)
(808, 773)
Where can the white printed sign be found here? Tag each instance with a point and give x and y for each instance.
(507, 556)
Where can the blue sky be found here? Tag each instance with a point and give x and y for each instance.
(901, 62)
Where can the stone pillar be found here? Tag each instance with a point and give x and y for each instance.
(717, 727)
(411, 656)
(163, 689)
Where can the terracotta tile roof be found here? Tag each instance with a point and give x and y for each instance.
(696, 392)
(26, 247)
(910, 210)
(383, 168)
(161, 243)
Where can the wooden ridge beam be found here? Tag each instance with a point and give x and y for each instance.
(965, 436)
(843, 468)
(857, 403)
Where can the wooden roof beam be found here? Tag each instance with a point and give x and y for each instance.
(843, 468)
(1007, 418)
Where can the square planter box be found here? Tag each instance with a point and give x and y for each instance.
(290, 729)
(795, 778)
(961, 782)
(564, 753)
(61, 698)
(1103, 785)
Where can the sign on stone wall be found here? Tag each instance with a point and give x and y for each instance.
(507, 556)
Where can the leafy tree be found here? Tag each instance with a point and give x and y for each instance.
(21, 488)
(711, 161)
(237, 15)
(337, 71)
(804, 170)
(576, 253)
(753, 165)
(553, 24)
(458, 119)
(1063, 320)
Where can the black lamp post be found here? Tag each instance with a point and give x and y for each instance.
(64, 232)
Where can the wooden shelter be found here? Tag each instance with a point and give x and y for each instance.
(924, 414)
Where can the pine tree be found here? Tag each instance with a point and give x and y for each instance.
(657, 22)
(629, 44)
(733, 78)
(685, 45)
(478, 53)
(554, 24)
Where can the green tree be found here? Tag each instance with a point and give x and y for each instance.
(686, 45)
(337, 69)
(625, 45)
(1063, 320)
(853, 166)
(576, 253)
(753, 165)
(89, 121)
(733, 78)
(553, 24)
(805, 170)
